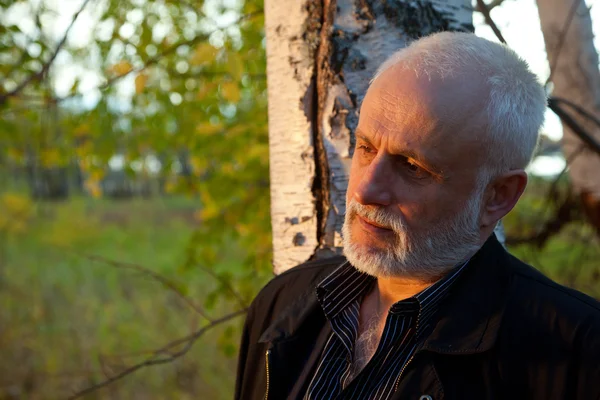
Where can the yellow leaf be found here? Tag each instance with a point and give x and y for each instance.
(203, 54)
(206, 128)
(205, 89)
(50, 157)
(235, 66)
(140, 83)
(16, 154)
(170, 187)
(82, 152)
(230, 91)
(210, 208)
(227, 168)
(81, 130)
(199, 164)
(93, 187)
(121, 68)
(96, 175)
(15, 212)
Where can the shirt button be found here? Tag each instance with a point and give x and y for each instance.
(426, 397)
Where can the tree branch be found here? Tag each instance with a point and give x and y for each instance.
(563, 215)
(38, 75)
(485, 10)
(155, 359)
(225, 284)
(490, 6)
(580, 110)
(24, 52)
(154, 60)
(209, 74)
(588, 139)
(164, 281)
(561, 38)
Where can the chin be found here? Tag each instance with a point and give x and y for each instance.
(417, 254)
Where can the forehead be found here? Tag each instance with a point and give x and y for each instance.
(438, 118)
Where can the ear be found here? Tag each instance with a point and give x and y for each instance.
(502, 195)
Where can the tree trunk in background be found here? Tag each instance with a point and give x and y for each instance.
(321, 55)
(576, 78)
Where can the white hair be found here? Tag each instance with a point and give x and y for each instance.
(516, 103)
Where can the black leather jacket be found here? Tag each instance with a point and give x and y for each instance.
(504, 332)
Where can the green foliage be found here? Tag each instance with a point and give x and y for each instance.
(68, 320)
(182, 83)
(569, 257)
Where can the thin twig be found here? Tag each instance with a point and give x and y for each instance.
(154, 60)
(38, 75)
(561, 38)
(209, 74)
(580, 110)
(225, 284)
(146, 271)
(153, 360)
(24, 52)
(490, 6)
(488, 19)
(574, 125)
(562, 216)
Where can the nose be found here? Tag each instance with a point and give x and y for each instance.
(375, 183)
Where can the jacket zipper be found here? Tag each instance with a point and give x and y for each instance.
(412, 355)
(402, 371)
(267, 368)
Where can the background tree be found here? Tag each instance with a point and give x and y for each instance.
(575, 78)
(145, 122)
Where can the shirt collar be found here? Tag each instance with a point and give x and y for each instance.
(341, 288)
(346, 284)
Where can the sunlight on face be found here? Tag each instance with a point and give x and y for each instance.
(423, 254)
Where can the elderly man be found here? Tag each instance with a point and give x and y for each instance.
(427, 304)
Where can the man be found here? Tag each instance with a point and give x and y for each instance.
(427, 304)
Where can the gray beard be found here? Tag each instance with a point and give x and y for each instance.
(421, 255)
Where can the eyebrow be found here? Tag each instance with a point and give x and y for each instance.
(408, 154)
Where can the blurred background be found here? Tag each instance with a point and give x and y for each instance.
(134, 192)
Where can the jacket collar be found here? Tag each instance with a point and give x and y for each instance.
(467, 321)
(469, 318)
(304, 307)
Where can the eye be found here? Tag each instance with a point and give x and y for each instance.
(363, 148)
(415, 170)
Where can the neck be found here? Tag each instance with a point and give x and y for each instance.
(393, 289)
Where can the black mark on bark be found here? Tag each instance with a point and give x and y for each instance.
(416, 18)
(299, 239)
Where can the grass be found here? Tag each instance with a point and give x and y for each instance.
(68, 321)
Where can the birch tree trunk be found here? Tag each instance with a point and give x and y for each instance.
(321, 55)
(567, 29)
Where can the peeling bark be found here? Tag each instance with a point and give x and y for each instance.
(354, 38)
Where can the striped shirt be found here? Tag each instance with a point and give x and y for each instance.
(340, 296)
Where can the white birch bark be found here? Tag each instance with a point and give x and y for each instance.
(290, 66)
(311, 127)
(576, 78)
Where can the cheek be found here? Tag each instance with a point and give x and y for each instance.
(353, 179)
(420, 207)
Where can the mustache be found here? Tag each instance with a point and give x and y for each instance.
(377, 215)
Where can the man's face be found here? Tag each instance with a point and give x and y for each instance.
(413, 202)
